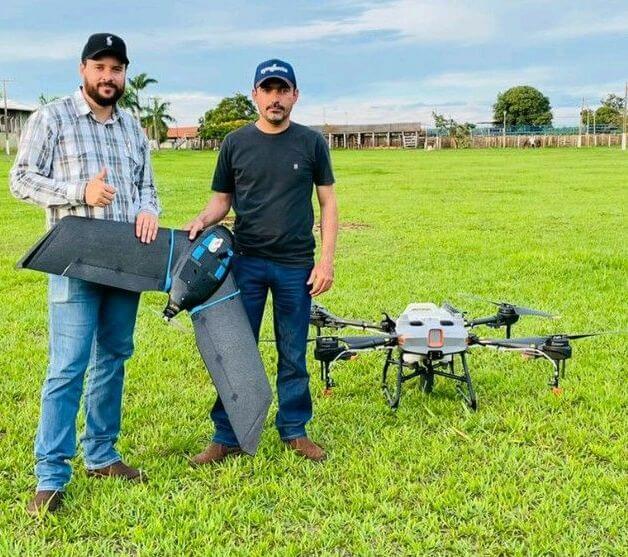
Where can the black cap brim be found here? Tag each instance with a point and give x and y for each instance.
(104, 51)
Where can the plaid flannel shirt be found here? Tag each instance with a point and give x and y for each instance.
(63, 146)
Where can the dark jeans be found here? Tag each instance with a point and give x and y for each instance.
(291, 313)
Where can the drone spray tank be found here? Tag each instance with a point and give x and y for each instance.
(431, 333)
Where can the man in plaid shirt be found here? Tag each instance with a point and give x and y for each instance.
(81, 155)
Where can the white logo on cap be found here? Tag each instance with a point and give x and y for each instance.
(109, 41)
(274, 68)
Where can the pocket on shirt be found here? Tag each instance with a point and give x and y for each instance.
(134, 163)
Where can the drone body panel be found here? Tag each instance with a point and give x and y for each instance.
(428, 329)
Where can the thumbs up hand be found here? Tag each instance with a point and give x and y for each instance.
(98, 193)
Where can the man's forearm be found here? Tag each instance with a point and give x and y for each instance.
(329, 229)
(215, 210)
(43, 191)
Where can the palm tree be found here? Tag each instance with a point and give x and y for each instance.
(131, 98)
(156, 119)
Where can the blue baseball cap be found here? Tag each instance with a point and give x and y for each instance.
(277, 69)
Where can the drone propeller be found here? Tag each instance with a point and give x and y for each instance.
(451, 309)
(536, 342)
(507, 315)
(321, 317)
(519, 310)
(555, 348)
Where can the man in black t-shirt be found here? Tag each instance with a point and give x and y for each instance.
(266, 171)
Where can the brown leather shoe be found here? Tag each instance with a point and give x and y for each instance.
(119, 470)
(215, 452)
(44, 501)
(307, 449)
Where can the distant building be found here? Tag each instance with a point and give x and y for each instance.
(182, 137)
(356, 136)
(17, 113)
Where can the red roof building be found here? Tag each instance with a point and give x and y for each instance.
(184, 132)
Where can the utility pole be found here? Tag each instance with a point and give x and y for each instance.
(580, 124)
(155, 135)
(623, 135)
(6, 116)
(588, 126)
(594, 131)
(504, 131)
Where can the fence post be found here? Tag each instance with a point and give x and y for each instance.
(623, 135)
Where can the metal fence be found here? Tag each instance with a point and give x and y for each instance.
(495, 131)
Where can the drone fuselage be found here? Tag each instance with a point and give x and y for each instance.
(427, 331)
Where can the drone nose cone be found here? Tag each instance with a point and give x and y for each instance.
(171, 310)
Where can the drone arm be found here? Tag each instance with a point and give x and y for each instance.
(493, 319)
(361, 343)
(359, 324)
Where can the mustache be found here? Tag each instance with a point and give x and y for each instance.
(108, 84)
(275, 105)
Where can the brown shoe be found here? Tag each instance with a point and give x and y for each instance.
(307, 449)
(215, 452)
(119, 470)
(44, 501)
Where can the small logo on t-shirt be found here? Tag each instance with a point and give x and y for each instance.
(295, 166)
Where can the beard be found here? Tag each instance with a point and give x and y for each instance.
(101, 100)
(276, 117)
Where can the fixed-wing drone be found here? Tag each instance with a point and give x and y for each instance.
(196, 275)
(426, 340)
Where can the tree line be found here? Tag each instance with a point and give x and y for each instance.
(522, 105)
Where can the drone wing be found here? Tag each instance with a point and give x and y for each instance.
(106, 252)
(227, 346)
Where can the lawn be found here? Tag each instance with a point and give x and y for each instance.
(528, 473)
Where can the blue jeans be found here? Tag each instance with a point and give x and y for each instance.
(291, 315)
(89, 326)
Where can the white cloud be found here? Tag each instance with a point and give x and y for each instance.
(489, 80)
(412, 20)
(384, 110)
(466, 96)
(587, 24)
(20, 46)
(187, 107)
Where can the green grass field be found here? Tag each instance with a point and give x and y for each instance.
(528, 474)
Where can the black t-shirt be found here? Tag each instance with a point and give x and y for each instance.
(271, 177)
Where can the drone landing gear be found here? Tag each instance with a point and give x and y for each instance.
(329, 382)
(426, 373)
(559, 372)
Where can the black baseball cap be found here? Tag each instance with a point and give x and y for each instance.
(104, 43)
(277, 69)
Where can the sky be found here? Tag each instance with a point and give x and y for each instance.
(355, 61)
